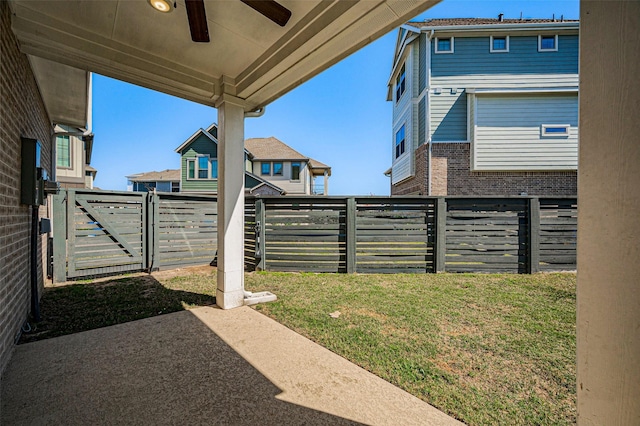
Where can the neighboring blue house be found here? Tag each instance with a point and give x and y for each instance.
(485, 107)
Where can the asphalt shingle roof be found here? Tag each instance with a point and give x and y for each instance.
(445, 22)
(163, 176)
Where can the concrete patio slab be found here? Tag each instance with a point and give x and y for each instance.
(204, 366)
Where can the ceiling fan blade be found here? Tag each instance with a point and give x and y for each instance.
(271, 9)
(197, 20)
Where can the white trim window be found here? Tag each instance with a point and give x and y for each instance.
(444, 45)
(548, 43)
(400, 142)
(202, 168)
(499, 44)
(555, 130)
(400, 83)
(63, 151)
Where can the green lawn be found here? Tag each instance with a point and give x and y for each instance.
(486, 349)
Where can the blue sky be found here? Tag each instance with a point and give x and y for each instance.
(340, 117)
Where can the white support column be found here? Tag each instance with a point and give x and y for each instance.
(230, 292)
(326, 183)
(608, 295)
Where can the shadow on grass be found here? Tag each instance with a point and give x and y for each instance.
(87, 306)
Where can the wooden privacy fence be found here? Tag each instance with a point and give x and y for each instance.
(108, 232)
(100, 232)
(394, 234)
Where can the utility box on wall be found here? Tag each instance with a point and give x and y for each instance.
(32, 176)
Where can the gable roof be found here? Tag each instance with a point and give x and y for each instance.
(193, 137)
(163, 176)
(262, 182)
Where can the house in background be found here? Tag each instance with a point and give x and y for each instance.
(73, 148)
(485, 107)
(282, 165)
(271, 167)
(164, 181)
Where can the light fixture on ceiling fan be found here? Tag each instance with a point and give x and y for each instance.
(198, 18)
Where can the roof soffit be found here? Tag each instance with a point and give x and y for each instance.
(130, 41)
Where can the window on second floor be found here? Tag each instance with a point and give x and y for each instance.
(444, 44)
(499, 44)
(63, 151)
(277, 168)
(295, 171)
(265, 169)
(400, 83)
(202, 167)
(400, 142)
(548, 43)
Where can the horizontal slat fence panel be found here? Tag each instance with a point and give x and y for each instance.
(395, 235)
(250, 234)
(304, 234)
(106, 232)
(558, 234)
(486, 235)
(185, 230)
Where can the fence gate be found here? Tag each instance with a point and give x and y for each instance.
(98, 233)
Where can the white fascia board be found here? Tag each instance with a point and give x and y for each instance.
(551, 26)
(572, 89)
(195, 135)
(401, 54)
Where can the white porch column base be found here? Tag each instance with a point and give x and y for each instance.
(230, 291)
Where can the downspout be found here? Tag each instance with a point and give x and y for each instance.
(429, 165)
(263, 296)
(259, 112)
(428, 118)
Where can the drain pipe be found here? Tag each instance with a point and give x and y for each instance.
(262, 296)
(258, 112)
(429, 165)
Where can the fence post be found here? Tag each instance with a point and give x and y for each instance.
(440, 247)
(534, 235)
(351, 236)
(261, 254)
(60, 237)
(153, 234)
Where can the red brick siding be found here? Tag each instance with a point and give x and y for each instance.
(452, 175)
(418, 184)
(22, 113)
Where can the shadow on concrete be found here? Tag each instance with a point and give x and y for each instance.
(170, 369)
(81, 307)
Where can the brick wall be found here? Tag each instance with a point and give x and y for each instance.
(452, 175)
(22, 113)
(418, 184)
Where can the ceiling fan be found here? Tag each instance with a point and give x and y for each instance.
(198, 17)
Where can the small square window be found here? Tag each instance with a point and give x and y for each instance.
(499, 44)
(444, 44)
(547, 43)
(555, 130)
(277, 168)
(265, 169)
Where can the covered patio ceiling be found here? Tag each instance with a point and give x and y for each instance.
(249, 56)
